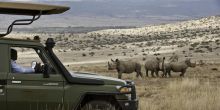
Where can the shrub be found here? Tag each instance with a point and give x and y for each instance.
(83, 54)
(92, 53)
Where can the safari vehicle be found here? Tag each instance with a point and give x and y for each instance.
(55, 88)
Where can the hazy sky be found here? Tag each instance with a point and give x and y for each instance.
(114, 0)
(128, 12)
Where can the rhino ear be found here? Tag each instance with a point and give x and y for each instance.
(117, 60)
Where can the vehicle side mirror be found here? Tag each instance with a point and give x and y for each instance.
(33, 64)
(46, 71)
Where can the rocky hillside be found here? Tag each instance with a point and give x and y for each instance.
(180, 34)
(204, 23)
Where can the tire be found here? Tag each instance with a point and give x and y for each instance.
(99, 105)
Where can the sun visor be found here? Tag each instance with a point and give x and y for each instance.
(16, 8)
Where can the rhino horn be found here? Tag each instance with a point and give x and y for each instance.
(112, 60)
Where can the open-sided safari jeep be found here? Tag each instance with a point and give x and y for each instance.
(53, 87)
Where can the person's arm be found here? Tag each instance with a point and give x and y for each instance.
(19, 69)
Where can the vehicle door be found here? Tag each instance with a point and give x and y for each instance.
(4, 69)
(30, 90)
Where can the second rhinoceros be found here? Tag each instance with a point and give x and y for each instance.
(154, 65)
(125, 67)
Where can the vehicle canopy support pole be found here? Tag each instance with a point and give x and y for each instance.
(21, 22)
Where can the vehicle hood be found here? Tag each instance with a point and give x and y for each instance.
(107, 80)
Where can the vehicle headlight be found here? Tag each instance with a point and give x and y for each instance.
(123, 89)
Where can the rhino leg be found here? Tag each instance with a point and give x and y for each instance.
(152, 73)
(138, 71)
(157, 74)
(146, 73)
(164, 74)
(169, 73)
(139, 74)
(182, 73)
(166, 71)
(119, 75)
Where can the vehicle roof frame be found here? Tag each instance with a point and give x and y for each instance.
(29, 9)
(21, 22)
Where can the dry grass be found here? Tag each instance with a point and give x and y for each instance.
(185, 94)
(198, 90)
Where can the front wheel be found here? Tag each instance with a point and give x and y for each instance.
(99, 105)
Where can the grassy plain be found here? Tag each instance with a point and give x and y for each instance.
(198, 90)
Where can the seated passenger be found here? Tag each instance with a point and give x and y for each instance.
(16, 68)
